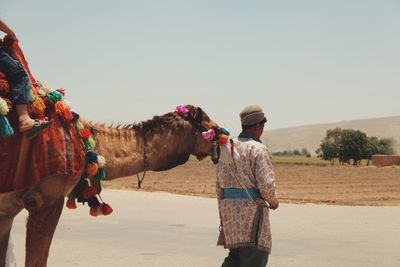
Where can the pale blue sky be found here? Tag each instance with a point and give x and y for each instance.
(304, 62)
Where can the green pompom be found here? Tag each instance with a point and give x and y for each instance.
(101, 174)
(54, 96)
(90, 144)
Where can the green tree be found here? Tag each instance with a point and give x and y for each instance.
(385, 146)
(352, 146)
(304, 152)
(371, 148)
(329, 147)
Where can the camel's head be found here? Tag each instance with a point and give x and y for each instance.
(176, 135)
(207, 132)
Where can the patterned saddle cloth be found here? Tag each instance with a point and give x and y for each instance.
(57, 150)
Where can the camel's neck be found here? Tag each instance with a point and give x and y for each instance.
(124, 149)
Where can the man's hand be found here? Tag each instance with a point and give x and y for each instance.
(274, 206)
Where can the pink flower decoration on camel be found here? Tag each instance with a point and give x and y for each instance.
(209, 135)
(182, 110)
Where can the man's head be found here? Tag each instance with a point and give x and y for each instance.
(253, 119)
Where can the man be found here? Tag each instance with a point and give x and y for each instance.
(246, 192)
(21, 90)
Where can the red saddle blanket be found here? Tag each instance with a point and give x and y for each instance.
(57, 150)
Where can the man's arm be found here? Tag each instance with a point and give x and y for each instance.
(7, 30)
(265, 177)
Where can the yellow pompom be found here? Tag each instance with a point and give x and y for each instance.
(38, 105)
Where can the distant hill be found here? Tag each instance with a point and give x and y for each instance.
(309, 136)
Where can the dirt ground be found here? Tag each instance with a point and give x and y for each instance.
(339, 185)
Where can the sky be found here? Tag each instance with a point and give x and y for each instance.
(303, 62)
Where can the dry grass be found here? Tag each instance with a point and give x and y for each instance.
(341, 185)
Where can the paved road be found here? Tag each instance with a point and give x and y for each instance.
(160, 229)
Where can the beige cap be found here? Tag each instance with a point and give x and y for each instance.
(251, 115)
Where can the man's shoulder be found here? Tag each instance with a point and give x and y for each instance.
(250, 143)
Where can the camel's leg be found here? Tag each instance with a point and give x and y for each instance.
(9, 208)
(42, 223)
(6, 223)
(45, 204)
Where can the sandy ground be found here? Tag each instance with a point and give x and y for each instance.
(339, 185)
(161, 229)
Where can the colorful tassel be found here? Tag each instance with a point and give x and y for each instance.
(101, 161)
(100, 175)
(225, 131)
(208, 135)
(182, 110)
(63, 111)
(92, 169)
(3, 107)
(91, 156)
(38, 106)
(71, 203)
(75, 116)
(5, 128)
(54, 96)
(85, 133)
(89, 143)
(61, 91)
(78, 126)
(93, 212)
(106, 209)
(223, 139)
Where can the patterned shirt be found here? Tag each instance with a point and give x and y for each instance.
(245, 223)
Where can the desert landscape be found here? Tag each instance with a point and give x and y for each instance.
(316, 182)
(309, 136)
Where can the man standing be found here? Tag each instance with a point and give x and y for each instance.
(246, 192)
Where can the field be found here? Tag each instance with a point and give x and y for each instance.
(299, 180)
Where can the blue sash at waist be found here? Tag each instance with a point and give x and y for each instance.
(238, 193)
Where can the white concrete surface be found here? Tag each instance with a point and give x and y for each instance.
(160, 229)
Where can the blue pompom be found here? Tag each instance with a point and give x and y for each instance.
(91, 156)
(224, 131)
(5, 128)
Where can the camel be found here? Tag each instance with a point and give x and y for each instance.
(37, 174)
(157, 144)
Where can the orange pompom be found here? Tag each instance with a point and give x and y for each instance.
(85, 133)
(71, 204)
(63, 111)
(223, 139)
(106, 209)
(59, 107)
(92, 169)
(67, 114)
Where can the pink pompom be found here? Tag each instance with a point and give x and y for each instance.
(209, 135)
(182, 110)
